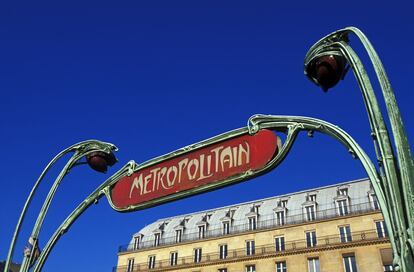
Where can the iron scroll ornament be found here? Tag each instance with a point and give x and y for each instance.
(289, 125)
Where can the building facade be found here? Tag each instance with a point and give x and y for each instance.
(333, 228)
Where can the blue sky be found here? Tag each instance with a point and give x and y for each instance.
(153, 76)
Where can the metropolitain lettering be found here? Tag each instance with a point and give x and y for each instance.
(195, 169)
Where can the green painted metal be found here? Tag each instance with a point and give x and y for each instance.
(393, 185)
(79, 150)
(397, 178)
(291, 125)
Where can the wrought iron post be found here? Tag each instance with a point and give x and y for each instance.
(100, 156)
(327, 62)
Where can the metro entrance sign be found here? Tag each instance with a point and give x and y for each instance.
(250, 151)
(198, 170)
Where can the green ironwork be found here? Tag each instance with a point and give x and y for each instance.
(79, 150)
(393, 185)
(291, 125)
(397, 177)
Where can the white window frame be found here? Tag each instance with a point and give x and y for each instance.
(130, 265)
(348, 265)
(374, 201)
(137, 241)
(151, 262)
(280, 243)
(345, 233)
(178, 235)
(157, 238)
(342, 209)
(382, 227)
(250, 248)
(202, 231)
(314, 264)
(281, 266)
(252, 222)
(173, 258)
(225, 227)
(223, 251)
(311, 239)
(281, 217)
(310, 212)
(198, 254)
(250, 268)
(343, 191)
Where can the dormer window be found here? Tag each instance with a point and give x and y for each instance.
(280, 217)
(281, 211)
(312, 198)
(342, 206)
(137, 242)
(226, 227)
(201, 231)
(310, 212)
(374, 201)
(343, 191)
(252, 222)
(178, 235)
(157, 238)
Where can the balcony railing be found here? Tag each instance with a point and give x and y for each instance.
(290, 247)
(264, 222)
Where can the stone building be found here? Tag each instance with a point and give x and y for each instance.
(333, 228)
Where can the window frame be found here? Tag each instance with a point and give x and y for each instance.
(173, 258)
(311, 239)
(280, 243)
(316, 266)
(281, 266)
(151, 261)
(250, 247)
(198, 254)
(346, 236)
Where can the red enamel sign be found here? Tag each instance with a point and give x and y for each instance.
(211, 164)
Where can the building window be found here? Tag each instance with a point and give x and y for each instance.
(226, 227)
(343, 191)
(151, 262)
(350, 263)
(281, 266)
(312, 198)
(197, 255)
(313, 265)
(252, 223)
(223, 251)
(342, 207)
(178, 235)
(201, 232)
(283, 203)
(130, 266)
(280, 243)
(136, 242)
(250, 247)
(280, 218)
(222, 270)
(345, 234)
(173, 258)
(311, 239)
(250, 268)
(388, 268)
(374, 201)
(157, 237)
(310, 212)
(381, 229)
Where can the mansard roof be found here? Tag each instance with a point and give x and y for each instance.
(358, 191)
